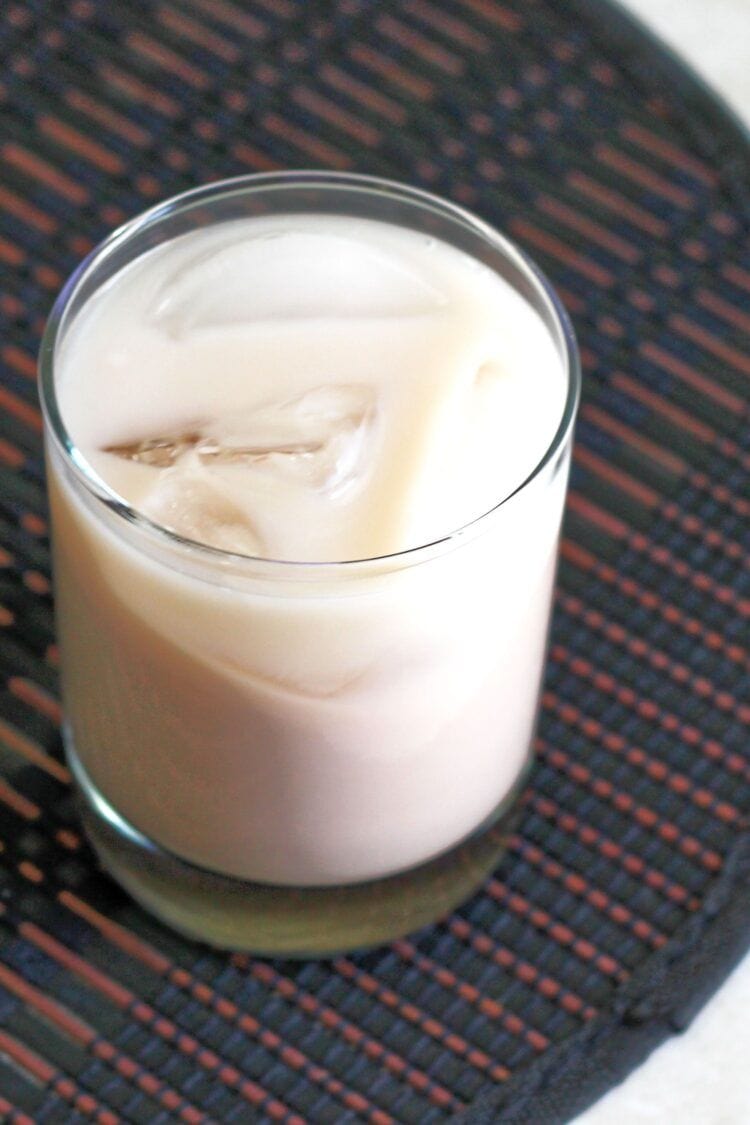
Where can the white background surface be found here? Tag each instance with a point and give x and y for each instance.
(714, 37)
(703, 1076)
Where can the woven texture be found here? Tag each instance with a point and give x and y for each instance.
(526, 113)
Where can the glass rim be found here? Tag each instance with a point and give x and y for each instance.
(104, 494)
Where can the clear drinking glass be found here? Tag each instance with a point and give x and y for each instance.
(254, 815)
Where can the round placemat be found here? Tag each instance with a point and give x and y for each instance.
(624, 898)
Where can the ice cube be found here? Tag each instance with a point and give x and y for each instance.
(160, 451)
(184, 500)
(287, 276)
(317, 439)
(205, 474)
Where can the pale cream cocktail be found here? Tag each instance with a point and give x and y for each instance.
(299, 647)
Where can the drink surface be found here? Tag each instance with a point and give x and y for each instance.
(311, 387)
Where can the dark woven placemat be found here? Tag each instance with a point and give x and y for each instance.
(625, 896)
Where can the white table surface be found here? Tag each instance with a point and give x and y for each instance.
(703, 1076)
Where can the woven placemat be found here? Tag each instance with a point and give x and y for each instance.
(625, 896)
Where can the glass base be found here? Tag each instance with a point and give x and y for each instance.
(287, 921)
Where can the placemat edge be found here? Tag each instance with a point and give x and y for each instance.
(647, 1010)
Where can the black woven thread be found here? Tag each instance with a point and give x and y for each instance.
(659, 1000)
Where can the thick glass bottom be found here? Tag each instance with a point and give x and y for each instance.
(283, 920)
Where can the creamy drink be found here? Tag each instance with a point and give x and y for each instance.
(305, 541)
